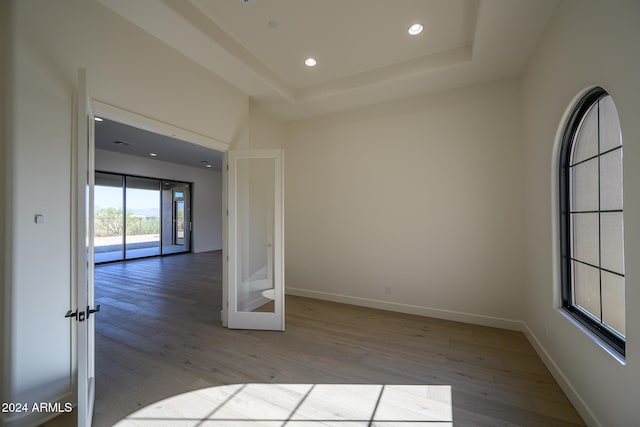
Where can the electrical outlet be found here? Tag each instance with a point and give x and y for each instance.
(387, 290)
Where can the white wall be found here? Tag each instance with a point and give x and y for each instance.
(4, 34)
(127, 68)
(206, 198)
(415, 205)
(265, 131)
(588, 43)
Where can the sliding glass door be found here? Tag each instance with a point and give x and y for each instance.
(139, 217)
(143, 217)
(176, 234)
(108, 218)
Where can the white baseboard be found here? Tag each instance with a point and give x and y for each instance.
(587, 416)
(476, 319)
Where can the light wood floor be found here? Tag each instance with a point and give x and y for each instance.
(159, 335)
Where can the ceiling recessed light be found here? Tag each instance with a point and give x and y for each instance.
(310, 62)
(152, 154)
(98, 119)
(208, 166)
(415, 29)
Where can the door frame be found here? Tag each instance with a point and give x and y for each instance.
(121, 115)
(82, 168)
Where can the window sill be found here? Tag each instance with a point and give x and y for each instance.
(596, 339)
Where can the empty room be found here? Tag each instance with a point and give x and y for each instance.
(421, 213)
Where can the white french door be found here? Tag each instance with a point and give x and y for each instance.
(83, 246)
(256, 240)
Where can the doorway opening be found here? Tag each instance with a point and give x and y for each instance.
(154, 194)
(166, 203)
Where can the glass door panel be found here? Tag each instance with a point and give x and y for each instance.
(109, 221)
(256, 282)
(255, 235)
(142, 222)
(178, 223)
(176, 217)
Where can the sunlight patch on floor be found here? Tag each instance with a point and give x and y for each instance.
(301, 405)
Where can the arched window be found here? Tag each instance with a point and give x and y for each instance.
(591, 218)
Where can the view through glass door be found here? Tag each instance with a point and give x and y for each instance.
(138, 217)
(142, 220)
(108, 223)
(176, 234)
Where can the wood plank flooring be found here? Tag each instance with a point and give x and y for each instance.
(159, 335)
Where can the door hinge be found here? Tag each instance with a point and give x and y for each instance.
(227, 166)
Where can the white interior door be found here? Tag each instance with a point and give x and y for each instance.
(85, 312)
(256, 244)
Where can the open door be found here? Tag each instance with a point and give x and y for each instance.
(83, 246)
(255, 241)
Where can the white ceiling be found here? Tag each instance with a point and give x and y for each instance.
(364, 53)
(125, 139)
(347, 37)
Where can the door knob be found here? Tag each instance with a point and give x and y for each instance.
(78, 315)
(90, 310)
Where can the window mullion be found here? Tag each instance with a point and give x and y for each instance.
(599, 213)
